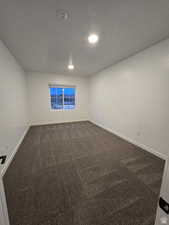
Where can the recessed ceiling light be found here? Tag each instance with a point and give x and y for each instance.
(93, 38)
(71, 67)
(62, 14)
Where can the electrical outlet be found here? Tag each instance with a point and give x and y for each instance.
(164, 205)
(3, 159)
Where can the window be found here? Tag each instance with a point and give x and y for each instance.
(62, 97)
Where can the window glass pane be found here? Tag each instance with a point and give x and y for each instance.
(62, 97)
(56, 95)
(69, 98)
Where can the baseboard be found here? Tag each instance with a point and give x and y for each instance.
(143, 146)
(14, 152)
(53, 123)
(4, 209)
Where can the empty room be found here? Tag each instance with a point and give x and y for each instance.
(84, 112)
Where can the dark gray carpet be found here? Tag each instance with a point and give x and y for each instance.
(80, 174)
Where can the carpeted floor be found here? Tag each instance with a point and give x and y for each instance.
(80, 174)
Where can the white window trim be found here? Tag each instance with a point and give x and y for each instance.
(61, 86)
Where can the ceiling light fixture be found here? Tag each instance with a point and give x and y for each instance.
(93, 38)
(71, 67)
(62, 14)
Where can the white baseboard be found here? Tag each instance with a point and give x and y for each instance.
(2, 191)
(143, 146)
(58, 122)
(4, 210)
(14, 152)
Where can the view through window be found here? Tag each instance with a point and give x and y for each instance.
(62, 97)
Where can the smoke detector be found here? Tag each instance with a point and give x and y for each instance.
(62, 14)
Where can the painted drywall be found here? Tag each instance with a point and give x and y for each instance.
(39, 98)
(132, 98)
(13, 103)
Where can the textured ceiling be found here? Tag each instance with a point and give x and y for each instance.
(42, 43)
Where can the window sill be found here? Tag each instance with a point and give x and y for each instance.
(61, 110)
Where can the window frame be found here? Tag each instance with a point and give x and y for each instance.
(63, 87)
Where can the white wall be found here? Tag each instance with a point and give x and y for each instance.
(13, 102)
(39, 98)
(132, 98)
